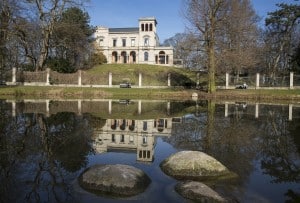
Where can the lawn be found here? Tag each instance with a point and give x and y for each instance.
(152, 75)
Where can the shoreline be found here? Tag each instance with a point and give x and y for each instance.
(37, 92)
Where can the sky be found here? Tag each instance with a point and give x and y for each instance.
(168, 13)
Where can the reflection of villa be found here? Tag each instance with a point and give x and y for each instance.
(134, 44)
(139, 135)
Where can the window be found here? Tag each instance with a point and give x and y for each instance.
(146, 27)
(144, 125)
(122, 138)
(113, 138)
(131, 138)
(114, 42)
(146, 41)
(146, 56)
(101, 42)
(151, 27)
(142, 27)
(144, 139)
(132, 42)
(124, 42)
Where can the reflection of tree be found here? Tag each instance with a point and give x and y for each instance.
(211, 107)
(38, 155)
(70, 144)
(293, 196)
(279, 151)
(220, 137)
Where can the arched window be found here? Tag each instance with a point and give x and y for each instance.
(114, 57)
(142, 27)
(162, 57)
(146, 56)
(124, 57)
(132, 57)
(151, 27)
(146, 41)
(146, 27)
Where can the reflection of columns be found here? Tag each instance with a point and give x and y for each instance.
(48, 76)
(140, 79)
(14, 71)
(291, 80)
(140, 107)
(47, 108)
(257, 81)
(227, 81)
(256, 110)
(169, 79)
(110, 79)
(13, 108)
(168, 107)
(79, 77)
(226, 108)
(290, 112)
(198, 79)
(79, 106)
(109, 106)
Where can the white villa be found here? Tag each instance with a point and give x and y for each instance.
(133, 45)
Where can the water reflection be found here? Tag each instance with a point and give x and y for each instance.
(40, 155)
(45, 145)
(130, 134)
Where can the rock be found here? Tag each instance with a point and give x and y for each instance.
(194, 165)
(114, 180)
(198, 192)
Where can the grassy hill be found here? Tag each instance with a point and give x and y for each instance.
(152, 75)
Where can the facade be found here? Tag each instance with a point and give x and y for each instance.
(133, 45)
(131, 135)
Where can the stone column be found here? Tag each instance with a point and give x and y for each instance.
(140, 79)
(13, 109)
(256, 110)
(227, 81)
(226, 109)
(169, 79)
(290, 112)
(79, 106)
(14, 73)
(109, 106)
(257, 81)
(291, 80)
(140, 107)
(47, 108)
(79, 78)
(110, 79)
(48, 76)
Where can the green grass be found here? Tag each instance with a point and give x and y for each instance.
(152, 75)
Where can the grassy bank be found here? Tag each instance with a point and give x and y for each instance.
(26, 92)
(152, 75)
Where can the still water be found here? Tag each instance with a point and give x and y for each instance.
(45, 145)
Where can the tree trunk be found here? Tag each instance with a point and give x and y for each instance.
(211, 69)
(211, 53)
(211, 106)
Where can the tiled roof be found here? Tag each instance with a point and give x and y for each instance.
(123, 30)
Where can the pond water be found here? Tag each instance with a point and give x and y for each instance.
(45, 145)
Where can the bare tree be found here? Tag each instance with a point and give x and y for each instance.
(239, 37)
(205, 17)
(47, 13)
(8, 12)
(187, 47)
